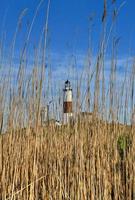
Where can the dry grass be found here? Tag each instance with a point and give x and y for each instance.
(82, 162)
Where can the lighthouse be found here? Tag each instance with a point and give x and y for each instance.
(67, 103)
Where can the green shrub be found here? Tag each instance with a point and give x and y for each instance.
(123, 144)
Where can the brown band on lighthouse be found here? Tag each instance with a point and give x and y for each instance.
(67, 107)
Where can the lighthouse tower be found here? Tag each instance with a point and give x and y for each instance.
(67, 103)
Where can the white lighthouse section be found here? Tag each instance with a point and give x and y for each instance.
(67, 103)
(68, 96)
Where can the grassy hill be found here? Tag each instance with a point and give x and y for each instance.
(85, 161)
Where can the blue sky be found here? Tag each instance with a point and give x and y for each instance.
(68, 30)
(68, 23)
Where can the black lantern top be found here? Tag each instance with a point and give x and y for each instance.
(67, 85)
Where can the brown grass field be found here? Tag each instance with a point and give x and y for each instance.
(82, 162)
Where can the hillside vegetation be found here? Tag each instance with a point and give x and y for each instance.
(87, 161)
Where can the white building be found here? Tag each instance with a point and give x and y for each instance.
(67, 103)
